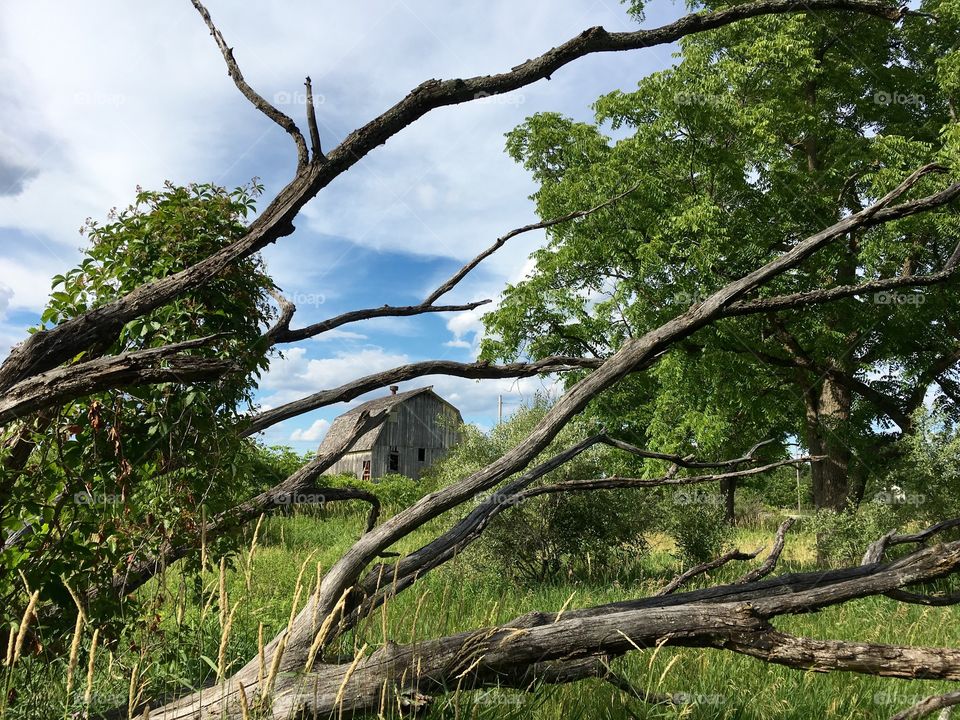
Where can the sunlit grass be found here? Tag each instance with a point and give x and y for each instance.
(188, 644)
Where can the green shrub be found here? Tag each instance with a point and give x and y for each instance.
(546, 536)
(843, 538)
(697, 525)
(395, 492)
(927, 474)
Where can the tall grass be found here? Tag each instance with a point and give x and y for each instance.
(195, 644)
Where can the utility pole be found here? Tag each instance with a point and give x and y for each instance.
(798, 489)
(499, 409)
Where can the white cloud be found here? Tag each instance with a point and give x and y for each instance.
(27, 284)
(467, 328)
(6, 293)
(338, 334)
(314, 433)
(295, 375)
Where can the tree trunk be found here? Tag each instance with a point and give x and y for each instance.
(828, 411)
(729, 489)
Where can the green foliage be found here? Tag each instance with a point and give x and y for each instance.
(843, 538)
(115, 476)
(928, 471)
(542, 537)
(395, 492)
(763, 132)
(698, 526)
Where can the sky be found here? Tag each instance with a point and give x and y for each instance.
(120, 94)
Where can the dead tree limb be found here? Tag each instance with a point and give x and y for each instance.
(773, 558)
(286, 335)
(929, 705)
(703, 568)
(356, 388)
(480, 658)
(155, 365)
(257, 100)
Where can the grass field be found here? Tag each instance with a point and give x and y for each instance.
(183, 634)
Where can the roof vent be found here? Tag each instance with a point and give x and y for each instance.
(393, 389)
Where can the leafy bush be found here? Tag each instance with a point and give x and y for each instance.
(123, 473)
(843, 538)
(697, 525)
(926, 479)
(544, 536)
(395, 492)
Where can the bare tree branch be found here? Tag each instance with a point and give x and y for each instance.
(257, 100)
(356, 388)
(820, 296)
(771, 562)
(141, 367)
(501, 241)
(286, 335)
(685, 462)
(312, 124)
(706, 567)
(616, 482)
(353, 316)
(929, 705)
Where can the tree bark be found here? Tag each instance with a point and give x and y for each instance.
(728, 488)
(827, 413)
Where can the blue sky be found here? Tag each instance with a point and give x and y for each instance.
(127, 93)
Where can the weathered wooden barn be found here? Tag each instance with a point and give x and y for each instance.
(420, 428)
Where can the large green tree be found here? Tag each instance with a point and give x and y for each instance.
(760, 133)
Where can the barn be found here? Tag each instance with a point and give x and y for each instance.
(420, 428)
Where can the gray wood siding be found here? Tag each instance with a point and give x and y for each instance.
(413, 425)
(349, 464)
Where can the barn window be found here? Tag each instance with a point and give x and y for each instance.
(394, 462)
(421, 454)
(366, 470)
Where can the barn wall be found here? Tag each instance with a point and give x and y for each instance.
(351, 463)
(415, 424)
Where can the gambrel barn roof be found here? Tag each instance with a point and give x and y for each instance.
(343, 425)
